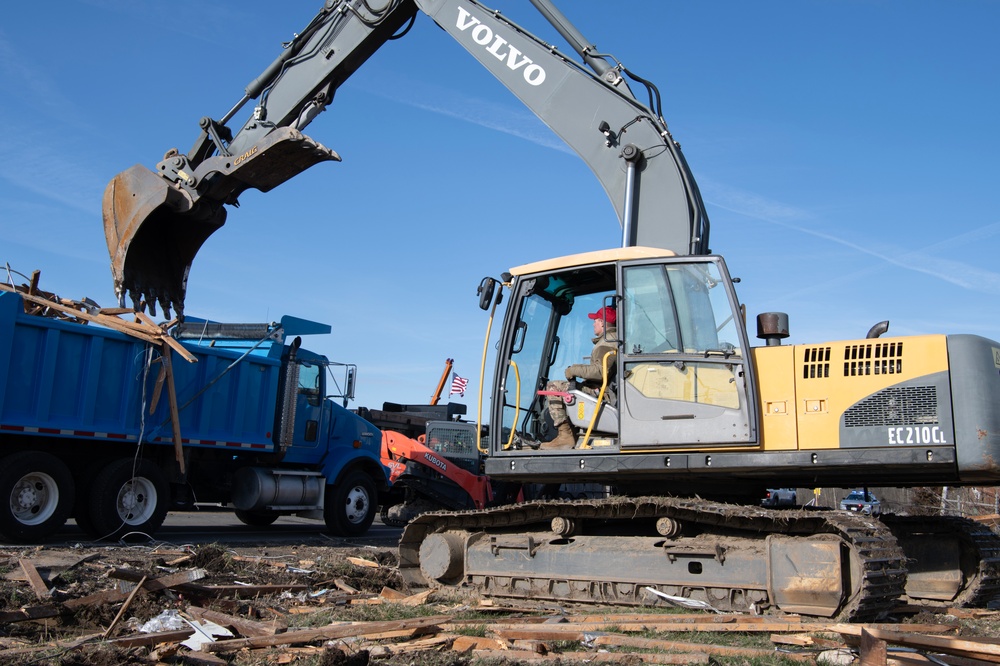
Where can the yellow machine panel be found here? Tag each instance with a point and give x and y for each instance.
(814, 385)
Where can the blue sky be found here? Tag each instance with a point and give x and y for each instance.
(847, 153)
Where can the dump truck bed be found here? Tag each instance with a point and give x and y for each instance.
(84, 381)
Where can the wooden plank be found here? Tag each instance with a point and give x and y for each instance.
(362, 562)
(467, 643)
(873, 650)
(630, 657)
(417, 599)
(699, 618)
(342, 585)
(620, 640)
(35, 580)
(160, 582)
(947, 645)
(121, 611)
(390, 594)
(168, 340)
(161, 377)
(330, 632)
(513, 631)
(175, 419)
(245, 627)
(146, 640)
(96, 599)
(203, 658)
(31, 613)
(807, 640)
(54, 610)
(110, 322)
(243, 591)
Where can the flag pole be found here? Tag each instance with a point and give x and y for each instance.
(444, 377)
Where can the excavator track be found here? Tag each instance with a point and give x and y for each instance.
(953, 561)
(858, 557)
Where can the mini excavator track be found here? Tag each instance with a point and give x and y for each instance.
(824, 563)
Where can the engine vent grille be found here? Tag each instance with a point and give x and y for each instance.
(816, 363)
(877, 358)
(898, 406)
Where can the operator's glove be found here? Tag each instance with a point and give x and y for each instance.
(570, 374)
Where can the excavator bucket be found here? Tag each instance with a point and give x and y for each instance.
(153, 236)
(154, 228)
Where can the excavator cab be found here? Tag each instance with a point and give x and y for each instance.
(681, 374)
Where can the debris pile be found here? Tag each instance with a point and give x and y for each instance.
(325, 605)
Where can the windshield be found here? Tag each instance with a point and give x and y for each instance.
(678, 308)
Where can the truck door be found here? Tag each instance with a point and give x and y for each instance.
(308, 405)
(686, 376)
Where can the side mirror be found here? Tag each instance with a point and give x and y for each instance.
(485, 291)
(349, 391)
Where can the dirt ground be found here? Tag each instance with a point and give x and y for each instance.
(296, 577)
(81, 605)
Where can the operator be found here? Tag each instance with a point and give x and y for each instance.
(605, 340)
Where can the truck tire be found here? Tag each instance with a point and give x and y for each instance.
(256, 518)
(351, 504)
(122, 502)
(38, 489)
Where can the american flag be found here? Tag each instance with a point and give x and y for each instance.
(458, 385)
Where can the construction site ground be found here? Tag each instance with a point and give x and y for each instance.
(333, 601)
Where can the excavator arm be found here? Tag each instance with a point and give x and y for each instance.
(156, 221)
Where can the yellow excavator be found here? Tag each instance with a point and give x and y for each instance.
(691, 423)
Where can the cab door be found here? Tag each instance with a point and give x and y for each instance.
(686, 374)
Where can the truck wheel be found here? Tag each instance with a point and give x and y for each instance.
(122, 501)
(39, 491)
(256, 518)
(351, 505)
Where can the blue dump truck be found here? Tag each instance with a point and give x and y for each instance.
(86, 428)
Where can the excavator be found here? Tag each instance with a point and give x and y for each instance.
(691, 423)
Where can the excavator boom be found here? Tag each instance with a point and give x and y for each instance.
(155, 221)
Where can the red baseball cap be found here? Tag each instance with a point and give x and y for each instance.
(606, 313)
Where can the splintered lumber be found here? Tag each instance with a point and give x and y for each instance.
(203, 658)
(245, 627)
(55, 610)
(147, 330)
(873, 650)
(31, 613)
(175, 419)
(35, 580)
(390, 594)
(330, 632)
(121, 611)
(441, 642)
(361, 562)
(467, 643)
(160, 582)
(416, 599)
(155, 638)
(955, 646)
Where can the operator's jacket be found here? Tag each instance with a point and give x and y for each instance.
(590, 373)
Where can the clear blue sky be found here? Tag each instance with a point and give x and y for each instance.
(847, 152)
